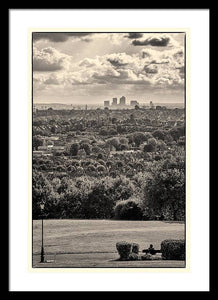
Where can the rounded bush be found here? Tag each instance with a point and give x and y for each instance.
(128, 210)
(124, 249)
(135, 248)
(147, 256)
(173, 249)
(133, 256)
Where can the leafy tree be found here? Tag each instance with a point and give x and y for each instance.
(37, 141)
(99, 203)
(96, 150)
(139, 138)
(157, 157)
(75, 163)
(177, 132)
(74, 149)
(124, 147)
(103, 132)
(41, 190)
(86, 147)
(101, 169)
(181, 141)
(91, 168)
(113, 174)
(114, 120)
(161, 145)
(85, 141)
(129, 209)
(124, 141)
(148, 147)
(100, 156)
(112, 131)
(159, 134)
(53, 129)
(80, 171)
(119, 164)
(109, 164)
(152, 141)
(101, 162)
(113, 142)
(132, 118)
(166, 192)
(60, 168)
(63, 186)
(121, 129)
(148, 136)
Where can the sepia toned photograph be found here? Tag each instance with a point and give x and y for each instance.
(108, 149)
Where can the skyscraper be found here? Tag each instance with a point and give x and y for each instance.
(123, 100)
(114, 102)
(151, 105)
(134, 102)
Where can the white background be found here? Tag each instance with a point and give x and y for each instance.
(197, 279)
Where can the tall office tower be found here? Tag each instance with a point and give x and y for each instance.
(123, 100)
(106, 103)
(151, 105)
(134, 102)
(114, 102)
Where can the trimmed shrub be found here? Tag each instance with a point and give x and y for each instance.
(147, 256)
(133, 256)
(135, 248)
(124, 249)
(101, 168)
(128, 210)
(173, 249)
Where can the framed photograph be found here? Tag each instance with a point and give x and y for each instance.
(110, 148)
(108, 175)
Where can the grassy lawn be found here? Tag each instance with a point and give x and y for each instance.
(90, 242)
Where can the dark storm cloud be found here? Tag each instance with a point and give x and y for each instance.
(49, 60)
(161, 62)
(151, 69)
(51, 80)
(181, 71)
(44, 66)
(152, 41)
(134, 35)
(116, 63)
(59, 37)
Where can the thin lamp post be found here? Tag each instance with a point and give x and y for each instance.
(42, 246)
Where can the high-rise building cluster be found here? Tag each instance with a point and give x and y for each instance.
(122, 102)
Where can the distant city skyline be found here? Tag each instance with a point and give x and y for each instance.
(89, 68)
(50, 104)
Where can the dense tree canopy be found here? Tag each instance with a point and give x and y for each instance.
(127, 164)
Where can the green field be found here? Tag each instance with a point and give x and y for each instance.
(93, 242)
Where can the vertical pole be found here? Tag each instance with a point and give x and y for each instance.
(42, 248)
(42, 232)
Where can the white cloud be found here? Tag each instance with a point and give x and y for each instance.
(59, 37)
(152, 68)
(155, 40)
(49, 59)
(149, 66)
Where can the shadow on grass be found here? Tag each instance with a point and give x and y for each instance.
(174, 222)
(154, 258)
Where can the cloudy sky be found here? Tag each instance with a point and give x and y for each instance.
(88, 68)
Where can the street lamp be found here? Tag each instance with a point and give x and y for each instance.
(42, 206)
